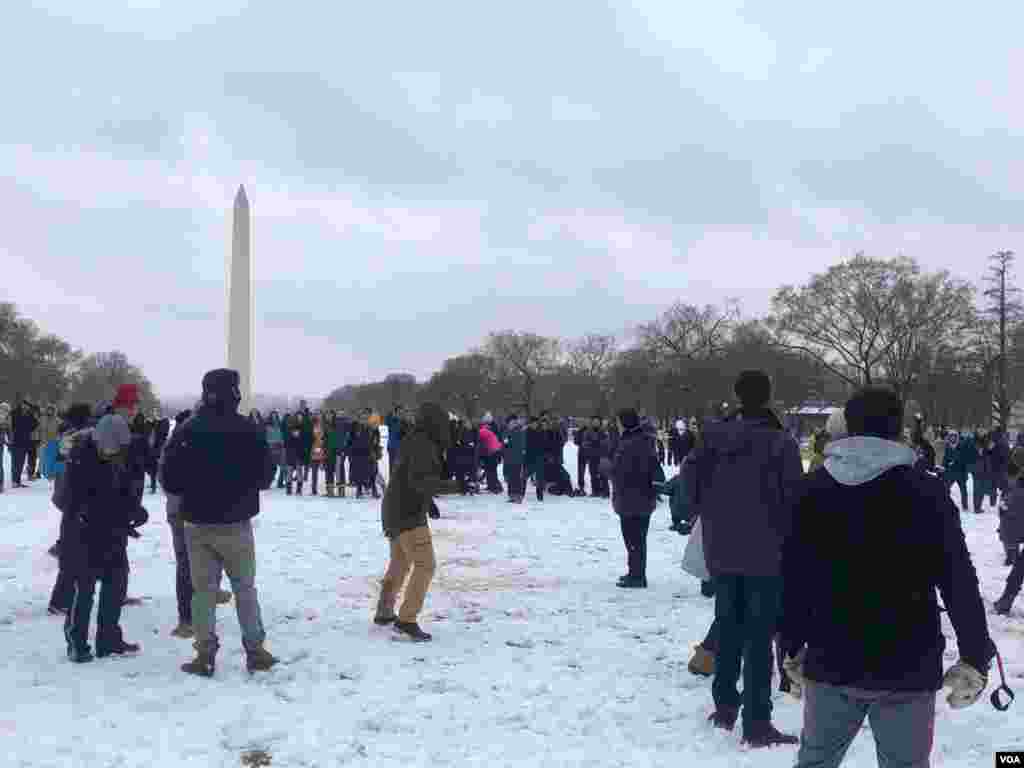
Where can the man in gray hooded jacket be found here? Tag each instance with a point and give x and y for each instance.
(873, 540)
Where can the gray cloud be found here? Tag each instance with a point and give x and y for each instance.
(422, 179)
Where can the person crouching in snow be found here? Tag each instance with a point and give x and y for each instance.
(407, 503)
(872, 540)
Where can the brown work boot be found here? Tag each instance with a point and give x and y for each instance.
(702, 663)
(259, 660)
(183, 631)
(202, 665)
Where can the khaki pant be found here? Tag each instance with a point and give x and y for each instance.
(411, 550)
(232, 548)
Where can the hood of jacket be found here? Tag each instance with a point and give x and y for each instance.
(859, 460)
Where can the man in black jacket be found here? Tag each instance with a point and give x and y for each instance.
(872, 541)
(742, 481)
(634, 470)
(24, 422)
(218, 462)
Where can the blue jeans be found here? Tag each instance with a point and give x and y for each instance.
(746, 612)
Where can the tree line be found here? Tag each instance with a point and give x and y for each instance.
(954, 353)
(47, 369)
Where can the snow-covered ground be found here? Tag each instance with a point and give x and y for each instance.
(538, 659)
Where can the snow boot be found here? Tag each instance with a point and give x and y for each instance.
(223, 597)
(764, 734)
(118, 649)
(412, 630)
(702, 663)
(259, 660)
(80, 655)
(183, 631)
(1003, 605)
(385, 615)
(631, 582)
(203, 665)
(724, 718)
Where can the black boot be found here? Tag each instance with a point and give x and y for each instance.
(412, 630)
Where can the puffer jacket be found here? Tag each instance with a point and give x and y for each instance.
(634, 471)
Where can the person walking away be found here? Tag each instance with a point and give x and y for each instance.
(100, 510)
(23, 426)
(535, 446)
(294, 449)
(218, 462)
(634, 471)
(872, 542)
(955, 468)
(515, 459)
(742, 482)
(490, 455)
(318, 451)
(407, 503)
(982, 485)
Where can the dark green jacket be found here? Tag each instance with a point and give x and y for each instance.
(417, 477)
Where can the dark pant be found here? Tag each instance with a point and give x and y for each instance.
(746, 611)
(113, 583)
(634, 534)
(329, 475)
(63, 593)
(341, 469)
(491, 473)
(581, 472)
(32, 458)
(183, 580)
(18, 454)
(537, 470)
(392, 459)
(598, 482)
(515, 480)
(710, 643)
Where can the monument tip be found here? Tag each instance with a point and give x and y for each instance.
(240, 197)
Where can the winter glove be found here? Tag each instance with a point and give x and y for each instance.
(794, 667)
(966, 684)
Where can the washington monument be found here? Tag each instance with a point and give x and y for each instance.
(240, 297)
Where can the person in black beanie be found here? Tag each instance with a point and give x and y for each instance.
(742, 481)
(633, 472)
(218, 462)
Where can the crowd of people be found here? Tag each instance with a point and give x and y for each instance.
(834, 573)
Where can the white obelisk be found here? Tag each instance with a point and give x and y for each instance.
(240, 297)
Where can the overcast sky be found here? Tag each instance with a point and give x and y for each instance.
(423, 173)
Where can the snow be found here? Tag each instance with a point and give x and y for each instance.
(537, 660)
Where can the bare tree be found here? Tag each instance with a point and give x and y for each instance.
(525, 356)
(1003, 315)
(100, 375)
(685, 332)
(865, 319)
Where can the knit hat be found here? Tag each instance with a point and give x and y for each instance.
(127, 396)
(221, 386)
(629, 418)
(753, 388)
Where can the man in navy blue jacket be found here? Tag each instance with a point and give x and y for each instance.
(742, 481)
